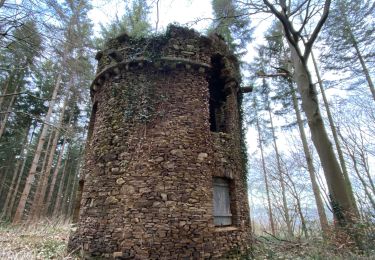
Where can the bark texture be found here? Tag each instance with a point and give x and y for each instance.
(310, 166)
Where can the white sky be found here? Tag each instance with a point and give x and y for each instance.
(170, 11)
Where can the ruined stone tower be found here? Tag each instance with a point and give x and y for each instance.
(164, 173)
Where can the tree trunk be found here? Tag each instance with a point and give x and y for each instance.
(14, 194)
(310, 166)
(335, 136)
(298, 206)
(270, 215)
(43, 183)
(300, 213)
(73, 194)
(7, 112)
(59, 197)
(360, 57)
(4, 92)
(16, 171)
(339, 197)
(76, 193)
(54, 177)
(281, 177)
(10, 188)
(31, 175)
(34, 208)
(4, 179)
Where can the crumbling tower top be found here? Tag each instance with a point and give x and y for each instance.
(179, 47)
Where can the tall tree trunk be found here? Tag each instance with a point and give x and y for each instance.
(2, 180)
(59, 197)
(3, 183)
(4, 92)
(302, 218)
(16, 171)
(34, 208)
(31, 175)
(310, 166)
(281, 176)
(11, 187)
(54, 177)
(340, 198)
(360, 57)
(72, 195)
(77, 201)
(7, 112)
(335, 136)
(265, 175)
(298, 206)
(15, 193)
(43, 182)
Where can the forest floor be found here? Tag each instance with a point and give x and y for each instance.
(49, 241)
(42, 241)
(269, 247)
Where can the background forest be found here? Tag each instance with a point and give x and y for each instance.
(310, 119)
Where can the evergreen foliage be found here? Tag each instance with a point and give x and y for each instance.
(349, 34)
(233, 24)
(134, 23)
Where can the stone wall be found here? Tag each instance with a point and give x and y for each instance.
(151, 156)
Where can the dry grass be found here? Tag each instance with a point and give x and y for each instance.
(268, 247)
(41, 241)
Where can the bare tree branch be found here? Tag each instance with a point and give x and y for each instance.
(317, 29)
(298, 8)
(157, 16)
(288, 27)
(307, 17)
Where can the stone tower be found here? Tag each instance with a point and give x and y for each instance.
(164, 173)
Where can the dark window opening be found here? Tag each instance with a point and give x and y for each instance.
(217, 96)
(92, 120)
(222, 202)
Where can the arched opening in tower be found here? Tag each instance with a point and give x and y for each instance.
(217, 101)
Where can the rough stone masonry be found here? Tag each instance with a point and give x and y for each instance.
(165, 127)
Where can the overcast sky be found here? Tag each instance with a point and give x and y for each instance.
(171, 11)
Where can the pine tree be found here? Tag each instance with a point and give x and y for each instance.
(134, 23)
(260, 128)
(349, 35)
(232, 24)
(75, 28)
